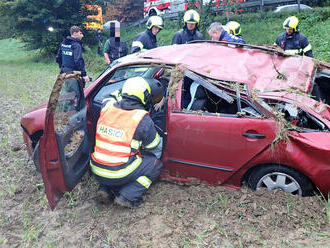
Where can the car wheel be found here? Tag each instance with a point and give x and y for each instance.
(35, 157)
(277, 177)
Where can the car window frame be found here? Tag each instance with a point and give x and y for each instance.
(229, 97)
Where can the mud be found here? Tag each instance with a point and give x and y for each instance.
(171, 216)
(75, 142)
(177, 75)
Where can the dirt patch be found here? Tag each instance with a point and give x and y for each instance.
(172, 215)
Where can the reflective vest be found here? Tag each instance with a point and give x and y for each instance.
(114, 143)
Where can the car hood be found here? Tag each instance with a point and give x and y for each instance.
(258, 67)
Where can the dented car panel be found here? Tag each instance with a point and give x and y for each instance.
(265, 71)
(221, 123)
(309, 159)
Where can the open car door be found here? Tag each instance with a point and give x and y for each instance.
(65, 148)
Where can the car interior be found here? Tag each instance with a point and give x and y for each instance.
(296, 116)
(115, 82)
(321, 89)
(195, 97)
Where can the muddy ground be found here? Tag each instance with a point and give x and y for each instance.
(172, 215)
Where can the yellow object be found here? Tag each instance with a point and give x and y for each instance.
(138, 87)
(291, 22)
(234, 28)
(96, 20)
(191, 16)
(156, 21)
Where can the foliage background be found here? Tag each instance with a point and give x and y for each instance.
(28, 21)
(257, 28)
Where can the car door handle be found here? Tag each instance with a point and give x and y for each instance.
(254, 135)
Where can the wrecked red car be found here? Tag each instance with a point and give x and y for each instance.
(233, 113)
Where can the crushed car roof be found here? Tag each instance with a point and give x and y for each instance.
(258, 67)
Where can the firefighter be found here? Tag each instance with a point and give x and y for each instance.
(69, 55)
(217, 33)
(234, 28)
(147, 39)
(127, 148)
(114, 48)
(190, 29)
(292, 41)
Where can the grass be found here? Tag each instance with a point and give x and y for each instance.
(26, 80)
(258, 29)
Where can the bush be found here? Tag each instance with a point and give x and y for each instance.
(257, 28)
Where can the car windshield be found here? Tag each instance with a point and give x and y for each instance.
(133, 71)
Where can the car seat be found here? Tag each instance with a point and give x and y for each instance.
(198, 97)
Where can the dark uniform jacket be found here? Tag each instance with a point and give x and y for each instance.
(296, 43)
(184, 36)
(115, 48)
(144, 40)
(230, 38)
(69, 56)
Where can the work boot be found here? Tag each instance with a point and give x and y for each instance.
(104, 195)
(122, 201)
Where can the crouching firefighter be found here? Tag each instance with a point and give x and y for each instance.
(127, 148)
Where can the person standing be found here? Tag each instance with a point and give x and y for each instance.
(189, 32)
(69, 55)
(147, 39)
(99, 39)
(127, 148)
(114, 48)
(218, 33)
(292, 41)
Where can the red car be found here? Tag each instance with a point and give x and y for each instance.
(233, 113)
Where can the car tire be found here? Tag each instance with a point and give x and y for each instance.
(278, 177)
(35, 157)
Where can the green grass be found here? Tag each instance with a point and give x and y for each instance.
(27, 80)
(258, 29)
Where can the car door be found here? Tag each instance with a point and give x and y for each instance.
(213, 146)
(64, 150)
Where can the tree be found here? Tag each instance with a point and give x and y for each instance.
(42, 24)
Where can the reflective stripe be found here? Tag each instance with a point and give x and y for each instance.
(113, 148)
(154, 143)
(135, 144)
(307, 48)
(109, 159)
(292, 51)
(137, 44)
(119, 173)
(144, 181)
